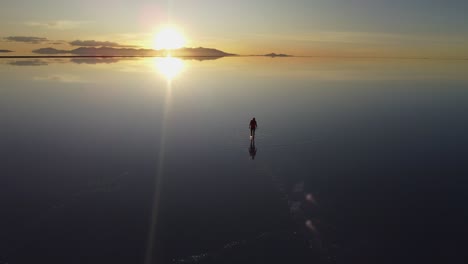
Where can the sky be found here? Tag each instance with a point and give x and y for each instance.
(401, 28)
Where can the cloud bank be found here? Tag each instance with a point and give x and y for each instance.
(64, 78)
(57, 24)
(93, 43)
(32, 40)
(96, 43)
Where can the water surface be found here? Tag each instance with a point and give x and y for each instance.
(150, 161)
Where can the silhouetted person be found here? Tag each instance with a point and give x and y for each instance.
(253, 126)
(252, 149)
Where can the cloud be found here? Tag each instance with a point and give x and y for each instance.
(57, 42)
(5, 51)
(32, 40)
(28, 63)
(64, 78)
(57, 24)
(93, 43)
(364, 40)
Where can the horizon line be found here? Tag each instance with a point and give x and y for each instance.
(233, 55)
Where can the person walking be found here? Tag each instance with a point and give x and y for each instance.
(253, 126)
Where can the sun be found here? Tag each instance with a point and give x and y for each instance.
(169, 38)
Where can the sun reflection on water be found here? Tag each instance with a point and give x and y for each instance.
(169, 67)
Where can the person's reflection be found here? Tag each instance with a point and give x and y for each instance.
(252, 149)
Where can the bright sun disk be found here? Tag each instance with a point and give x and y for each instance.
(169, 38)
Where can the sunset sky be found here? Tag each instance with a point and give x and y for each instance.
(415, 28)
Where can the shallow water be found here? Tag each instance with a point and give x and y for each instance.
(149, 160)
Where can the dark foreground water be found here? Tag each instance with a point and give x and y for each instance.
(150, 161)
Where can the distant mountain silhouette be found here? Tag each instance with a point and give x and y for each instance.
(50, 51)
(277, 55)
(5, 51)
(202, 58)
(109, 60)
(109, 51)
(199, 52)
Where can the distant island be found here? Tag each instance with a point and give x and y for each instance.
(272, 55)
(5, 51)
(109, 51)
(276, 55)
